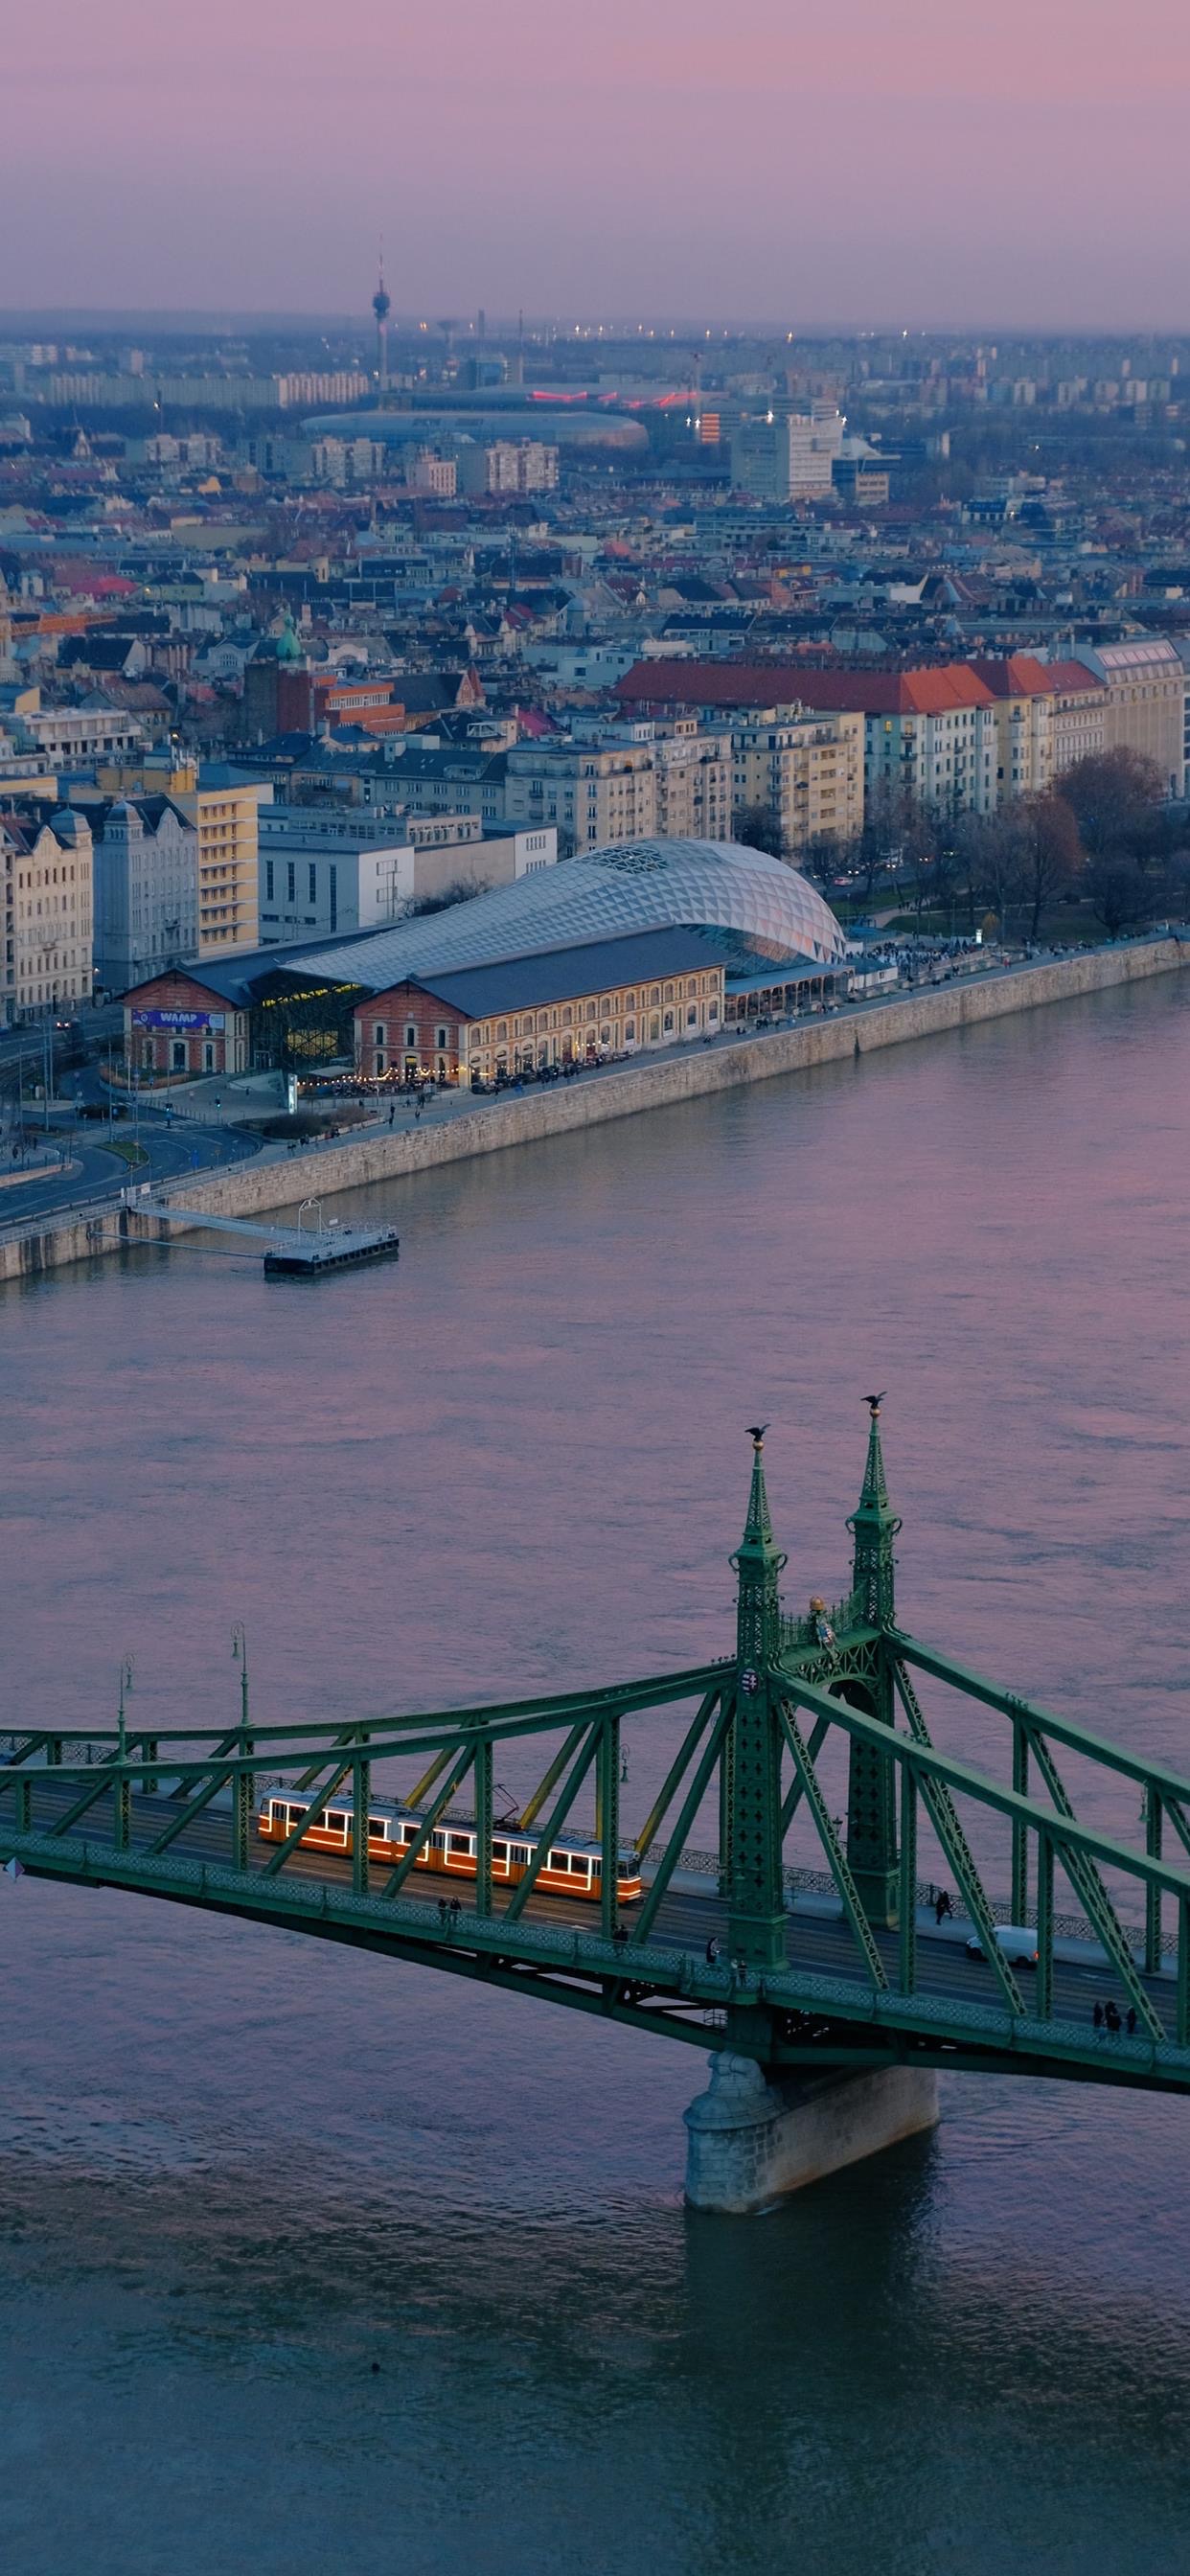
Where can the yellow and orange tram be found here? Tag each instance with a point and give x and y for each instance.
(573, 1866)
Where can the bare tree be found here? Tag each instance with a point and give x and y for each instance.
(1049, 852)
(758, 827)
(1115, 798)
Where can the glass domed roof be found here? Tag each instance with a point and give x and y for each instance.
(609, 893)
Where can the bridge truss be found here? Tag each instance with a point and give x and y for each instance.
(720, 1959)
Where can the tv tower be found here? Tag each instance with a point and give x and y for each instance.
(381, 307)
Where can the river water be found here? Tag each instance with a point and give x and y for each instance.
(237, 2169)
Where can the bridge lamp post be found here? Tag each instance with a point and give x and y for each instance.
(241, 1795)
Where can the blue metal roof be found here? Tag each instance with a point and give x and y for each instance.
(562, 974)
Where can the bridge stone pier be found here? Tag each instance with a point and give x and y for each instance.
(751, 2138)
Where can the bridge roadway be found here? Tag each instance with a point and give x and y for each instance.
(822, 1945)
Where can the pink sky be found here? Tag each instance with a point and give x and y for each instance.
(895, 161)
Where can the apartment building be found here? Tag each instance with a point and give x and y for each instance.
(931, 733)
(1144, 684)
(76, 737)
(806, 770)
(1079, 714)
(693, 772)
(596, 791)
(1023, 691)
(145, 863)
(47, 869)
(225, 814)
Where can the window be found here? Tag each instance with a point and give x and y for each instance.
(268, 881)
(291, 880)
(313, 894)
(500, 1852)
(410, 1035)
(378, 1034)
(438, 1842)
(439, 1037)
(336, 1824)
(669, 1021)
(629, 1030)
(518, 1855)
(460, 1843)
(559, 1861)
(378, 1829)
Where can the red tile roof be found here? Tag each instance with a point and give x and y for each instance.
(712, 684)
(1072, 675)
(930, 692)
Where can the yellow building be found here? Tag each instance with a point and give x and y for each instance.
(806, 770)
(45, 871)
(227, 818)
(155, 773)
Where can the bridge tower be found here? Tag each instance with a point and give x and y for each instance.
(871, 1794)
(751, 1806)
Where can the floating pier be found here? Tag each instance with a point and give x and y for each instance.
(300, 1252)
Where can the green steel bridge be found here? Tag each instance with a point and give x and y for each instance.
(845, 1977)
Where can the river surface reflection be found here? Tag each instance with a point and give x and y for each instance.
(237, 2170)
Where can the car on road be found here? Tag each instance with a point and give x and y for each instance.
(1014, 1941)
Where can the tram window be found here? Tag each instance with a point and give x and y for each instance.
(459, 1843)
(336, 1824)
(407, 1833)
(581, 1868)
(437, 1842)
(378, 1829)
(295, 1816)
(559, 1860)
(518, 1855)
(625, 1869)
(499, 1851)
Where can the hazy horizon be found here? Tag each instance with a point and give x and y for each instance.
(933, 173)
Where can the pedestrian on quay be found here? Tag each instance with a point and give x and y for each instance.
(455, 1911)
(442, 1911)
(942, 1905)
(1097, 2017)
(392, 1111)
(1130, 2024)
(712, 1952)
(1111, 2016)
(620, 1937)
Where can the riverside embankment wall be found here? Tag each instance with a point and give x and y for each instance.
(258, 1188)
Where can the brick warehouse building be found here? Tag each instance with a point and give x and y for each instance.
(618, 996)
(177, 1024)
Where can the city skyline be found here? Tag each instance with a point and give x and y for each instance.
(915, 181)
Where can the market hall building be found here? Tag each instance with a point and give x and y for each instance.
(746, 932)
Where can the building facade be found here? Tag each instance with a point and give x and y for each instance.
(177, 1026)
(48, 911)
(1144, 683)
(595, 792)
(145, 854)
(225, 816)
(566, 1006)
(807, 771)
(1079, 714)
